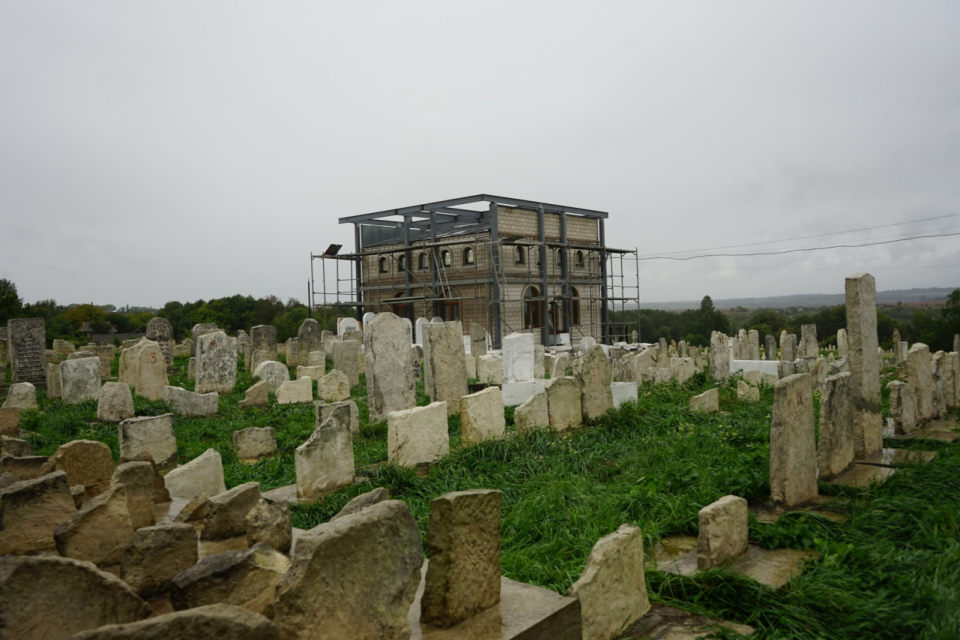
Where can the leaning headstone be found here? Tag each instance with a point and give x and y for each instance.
(274, 373)
(446, 371)
(354, 577)
(518, 357)
(595, 376)
(723, 532)
(481, 416)
(346, 359)
(463, 577)
(216, 363)
(418, 436)
(203, 474)
(188, 403)
(325, 411)
(153, 434)
(835, 443)
(254, 443)
(903, 407)
(54, 381)
(99, 531)
(719, 356)
(45, 597)
(334, 387)
(612, 588)
(26, 340)
(87, 463)
(80, 380)
(861, 297)
(793, 447)
(21, 395)
(534, 412)
(390, 382)
(129, 362)
(256, 396)
(227, 512)
(155, 555)
(564, 404)
(30, 511)
(708, 401)
(325, 461)
(295, 391)
(138, 480)
(490, 369)
(270, 524)
(151, 372)
(160, 330)
(263, 337)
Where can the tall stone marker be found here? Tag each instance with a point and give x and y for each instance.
(518, 357)
(151, 372)
(390, 383)
(199, 330)
(835, 447)
(793, 446)
(771, 346)
(719, 356)
(346, 359)
(810, 348)
(216, 363)
(263, 337)
(920, 379)
(310, 339)
(861, 294)
(843, 345)
(26, 338)
(445, 367)
(160, 330)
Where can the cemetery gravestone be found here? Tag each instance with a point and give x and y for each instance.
(390, 379)
(26, 341)
(80, 380)
(263, 337)
(446, 370)
(518, 357)
(771, 347)
(793, 447)
(346, 359)
(835, 446)
(216, 363)
(160, 330)
(199, 330)
(861, 298)
(808, 336)
(310, 339)
(151, 372)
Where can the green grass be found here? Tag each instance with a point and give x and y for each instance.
(892, 570)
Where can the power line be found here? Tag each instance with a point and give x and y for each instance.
(821, 235)
(858, 268)
(776, 253)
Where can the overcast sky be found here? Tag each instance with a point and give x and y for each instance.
(182, 150)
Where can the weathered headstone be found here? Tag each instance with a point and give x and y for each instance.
(835, 445)
(274, 373)
(295, 391)
(325, 461)
(292, 352)
(809, 348)
(793, 447)
(771, 347)
(463, 577)
(843, 344)
(334, 387)
(719, 356)
(153, 434)
(481, 416)
(199, 330)
(188, 403)
(160, 330)
(80, 380)
(478, 340)
(216, 363)
(534, 412)
(445, 378)
(490, 369)
(747, 393)
(861, 297)
(753, 345)
(310, 339)
(346, 359)
(518, 357)
(723, 532)
(390, 382)
(254, 443)
(151, 372)
(155, 555)
(564, 404)
(903, 407)
(708, 401)
(263, 337)
(419, 435)
(595, 378)
(203, 474)
(26, 339)
(325, 411)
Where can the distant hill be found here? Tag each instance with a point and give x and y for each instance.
(906, 296)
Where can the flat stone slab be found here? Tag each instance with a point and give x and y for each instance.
(899, 457)
(209, 548)
(819, 506)
(862, 475)
(281, 494)
(524, 611)
(770, 567)
(931, 432)
(667, 623)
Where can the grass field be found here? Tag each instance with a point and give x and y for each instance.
(891, 570)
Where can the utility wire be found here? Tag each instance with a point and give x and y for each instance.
(776, 253)
(821, 235)
(693, 266)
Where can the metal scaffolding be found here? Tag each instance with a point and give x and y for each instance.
(441, 261)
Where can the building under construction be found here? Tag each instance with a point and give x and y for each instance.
(507, 264)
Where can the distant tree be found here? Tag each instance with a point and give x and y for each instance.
(81, 313)
(10, 303)
(706, 306)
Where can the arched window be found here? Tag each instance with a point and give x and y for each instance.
(531, 308)
(402, 263)
(521, 256)
(449, 309)
(447, 258)
(422, 261)
(579, 258)
(574, 306)
(468, 255)
(383, 265)
(400, 308)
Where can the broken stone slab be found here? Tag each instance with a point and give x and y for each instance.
(793, 447)
(15, 447)
(137, 477)
(624, 392)
(418, 436)
(295, 391)
(10, 421)
(314, 373)
(245, 579)
(203, 474)
(862, 475)
(514, 394)
(490, 369)
(334, 387)
(325, 411)
(79, 380)
(99, 531)
(226, 512)
(195, 510)
(257, 395)
(723, 532)
(463, 577)
(670, 623)
(270, 524)
(160, 493)
(532, 413)
(21, 395)
(325, 461)
(363, 501)
(156, 554)
(224, 622)
(746, 393)
(254, 443)
(87, 463)
(153, 434)
(273, 373)
(54, 381)
(188, 403)
(25, 467)
(708, 401)
(564, 404)
(612, 588)
(354, 577)
(836, 441)
(48, 597)
(31, 510)
(481, 416)
(115, 403)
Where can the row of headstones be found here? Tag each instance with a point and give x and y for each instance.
(931, 390)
